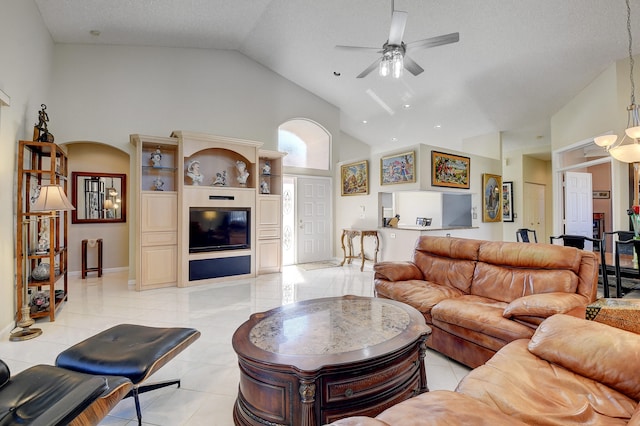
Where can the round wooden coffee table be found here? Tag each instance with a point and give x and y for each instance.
(317, 361)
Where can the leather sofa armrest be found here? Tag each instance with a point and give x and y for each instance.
(544, 305)
(397, 271)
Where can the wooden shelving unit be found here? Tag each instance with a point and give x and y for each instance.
(41, 163)
(156, 202)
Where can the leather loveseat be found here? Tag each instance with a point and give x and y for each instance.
(477, 296)
(571, 372)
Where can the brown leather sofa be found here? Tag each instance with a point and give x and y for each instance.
(477, 296)
(571, 372)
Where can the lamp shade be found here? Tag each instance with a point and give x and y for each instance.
(108, 204)
(605, 140)
(633, 132)
(51, 198)
(626, 153)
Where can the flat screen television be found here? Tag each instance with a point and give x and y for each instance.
(219, 228)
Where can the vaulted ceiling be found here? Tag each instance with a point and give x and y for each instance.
(517, 62)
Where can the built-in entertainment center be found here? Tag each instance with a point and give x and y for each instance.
(208, 207)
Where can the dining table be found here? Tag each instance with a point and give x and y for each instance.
(628, 269)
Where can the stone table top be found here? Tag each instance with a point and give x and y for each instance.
(330, 326)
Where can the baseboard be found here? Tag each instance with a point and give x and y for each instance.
(104, 271)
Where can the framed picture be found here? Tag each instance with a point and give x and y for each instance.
(601, 194)
(355, 178)
(450, 170)
(491, 198)
(507, 201)
(398, 168)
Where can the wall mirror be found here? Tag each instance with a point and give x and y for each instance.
(98, 197)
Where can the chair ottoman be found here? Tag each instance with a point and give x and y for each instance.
(132, 351)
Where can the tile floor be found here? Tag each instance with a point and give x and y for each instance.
(208, 368)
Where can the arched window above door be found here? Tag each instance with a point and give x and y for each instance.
(307, 144)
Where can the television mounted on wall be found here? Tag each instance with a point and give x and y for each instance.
(219, 228)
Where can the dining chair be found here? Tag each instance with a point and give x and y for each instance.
(578, 242)
(625, 247)
(620, 236)
(522, 235)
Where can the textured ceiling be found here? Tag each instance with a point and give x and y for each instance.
(516, 64)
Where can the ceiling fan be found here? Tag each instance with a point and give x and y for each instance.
(394, 52)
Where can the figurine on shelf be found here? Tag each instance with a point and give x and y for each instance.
(264, 187)
(221, 179)
(40, 130)
(243, 174)
(193, 171)
(158, 184)
(266, 169)
(156, 158)
(43, 240)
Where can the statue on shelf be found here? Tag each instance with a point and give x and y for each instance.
(243, 174)
(266, 169)
(158, 184)
(156, 158)
(193, 171)
(43, 240)
(221, 179)
(40, 130)
(264, 187)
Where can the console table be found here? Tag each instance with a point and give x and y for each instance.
(317, 361)
(350, 234)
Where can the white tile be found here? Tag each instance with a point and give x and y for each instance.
(208, 369)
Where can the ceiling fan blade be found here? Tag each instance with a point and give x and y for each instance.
(411, 66)
(396, 32)
(368, 49)
(434, 41)
(370, 68)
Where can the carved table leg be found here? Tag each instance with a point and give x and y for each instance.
(308, 397)
(344, 250)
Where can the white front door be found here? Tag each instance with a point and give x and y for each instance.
(313, 203)
(578, 205)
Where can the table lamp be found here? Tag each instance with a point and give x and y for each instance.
(51, 199)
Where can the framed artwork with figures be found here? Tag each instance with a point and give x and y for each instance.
(450, 170)
(507, 202)
(398, 168)
(491, 198)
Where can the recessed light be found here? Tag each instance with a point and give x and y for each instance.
(437, 126)
(406, 106)
(94, 33)
(364, 121)
(394, 139)
(337, 74)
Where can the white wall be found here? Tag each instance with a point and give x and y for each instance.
(26, 55)
(106, 93)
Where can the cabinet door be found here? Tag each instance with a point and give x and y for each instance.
(158, 265)
(269, 211)
(269, 257)
(159, 212)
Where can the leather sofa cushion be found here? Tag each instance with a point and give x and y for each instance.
(530, 256)
(422, 295)
(447, 261)
(445, 408)
(507, 283)
(572, 342)
(536, 391)
(479, 320)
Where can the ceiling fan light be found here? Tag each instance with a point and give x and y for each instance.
(605, 140)
(633, 132)
(385, 66)
(398, 65)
